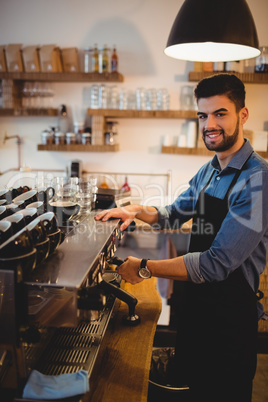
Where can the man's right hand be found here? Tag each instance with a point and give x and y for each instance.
(125, 214)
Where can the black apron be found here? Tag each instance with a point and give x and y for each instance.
(217, 321)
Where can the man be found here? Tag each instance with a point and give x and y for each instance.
(218, 310)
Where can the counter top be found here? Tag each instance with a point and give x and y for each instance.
(121, 372)
(70, 264)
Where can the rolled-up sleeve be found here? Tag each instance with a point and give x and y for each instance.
(192, 262)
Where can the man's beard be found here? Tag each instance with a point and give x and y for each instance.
(227, 141)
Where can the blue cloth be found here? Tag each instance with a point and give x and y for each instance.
(243, 237)
(41, 386)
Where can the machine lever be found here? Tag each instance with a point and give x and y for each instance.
(131, 319)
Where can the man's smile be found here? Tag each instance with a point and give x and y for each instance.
(212, 134)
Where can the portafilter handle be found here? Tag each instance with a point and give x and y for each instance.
(107, 286)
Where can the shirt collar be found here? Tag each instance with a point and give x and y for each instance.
(238, 160)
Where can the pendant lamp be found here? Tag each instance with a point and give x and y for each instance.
(213, 30)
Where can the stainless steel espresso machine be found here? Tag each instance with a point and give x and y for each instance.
(54, 320)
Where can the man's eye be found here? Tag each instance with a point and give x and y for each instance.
(201, 116)
(220, 114)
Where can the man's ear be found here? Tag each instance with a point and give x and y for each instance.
(244, 115)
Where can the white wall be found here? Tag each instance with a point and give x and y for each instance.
(140, 29)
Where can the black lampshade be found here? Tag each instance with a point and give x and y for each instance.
(213, 30)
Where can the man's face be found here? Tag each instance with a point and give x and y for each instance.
(219, 123)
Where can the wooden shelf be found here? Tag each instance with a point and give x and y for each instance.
(161, 114)
(64, 77)
(196, 151)
(250, 78)
(79, 148)
(23, 112)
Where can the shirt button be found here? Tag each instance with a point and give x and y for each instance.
(218, 178)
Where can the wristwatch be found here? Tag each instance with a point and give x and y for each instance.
(144, 272)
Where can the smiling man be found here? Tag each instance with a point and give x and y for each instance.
(217, 306)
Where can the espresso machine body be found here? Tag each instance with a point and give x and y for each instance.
(55, 319)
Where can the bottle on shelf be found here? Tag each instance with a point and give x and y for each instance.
(95, 60)
(114, 61)
(125, 186)
(103, 183)
(105, 60)
(63, 119)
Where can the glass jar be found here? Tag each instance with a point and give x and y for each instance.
(70, 138)
(59, 138)
(47, 137)
(261, 65)
(86, 138)
(87, 60)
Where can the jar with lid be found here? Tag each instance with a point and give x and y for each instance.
(47, 137)
(70, 138)
(86, 138)
(112, 130)
(87, 60)
(59, 138)
(261, 65)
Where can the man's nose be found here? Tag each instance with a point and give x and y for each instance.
(210, 122)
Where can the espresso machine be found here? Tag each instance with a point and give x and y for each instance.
(54, 319)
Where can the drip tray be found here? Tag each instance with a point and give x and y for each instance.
(68, 350)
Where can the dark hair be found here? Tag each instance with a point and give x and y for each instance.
(222, 84)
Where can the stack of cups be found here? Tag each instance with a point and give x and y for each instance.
(191, 134)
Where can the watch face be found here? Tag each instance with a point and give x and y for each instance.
(144, 273)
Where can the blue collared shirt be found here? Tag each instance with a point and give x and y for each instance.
(243, 237)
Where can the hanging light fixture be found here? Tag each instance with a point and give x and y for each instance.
(213, 30)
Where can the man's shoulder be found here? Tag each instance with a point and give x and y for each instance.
(257, 163)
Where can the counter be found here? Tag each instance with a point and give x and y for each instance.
(121, 372)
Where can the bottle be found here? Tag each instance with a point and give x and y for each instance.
(103, 183)
(262, 61)
(125, 186)
(63, 119)
(86, 60)
(105, 60)
(114, 61)
(95, 60)
(207, 66)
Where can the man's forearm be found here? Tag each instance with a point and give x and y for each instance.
(147, 214)
(173, 268)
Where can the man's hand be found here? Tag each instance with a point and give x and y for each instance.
(128, 213)
(124, 213)
(129, 270)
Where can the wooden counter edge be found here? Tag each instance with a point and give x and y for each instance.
(121, 372)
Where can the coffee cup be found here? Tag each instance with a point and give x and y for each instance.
(49, 221)
(12, 208)
(55, 240)
(5, 231)
(19, 190)
(28, 197)
(64, 210)
(22, 265)
(37, 230)
(29, 214)
(39, 205)
(18, 244)
(3, 211)
(45, 194)
(40, 240)
(5, 194)
(17, 222)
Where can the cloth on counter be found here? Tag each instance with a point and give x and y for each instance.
(168, 250)
(41, 386)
